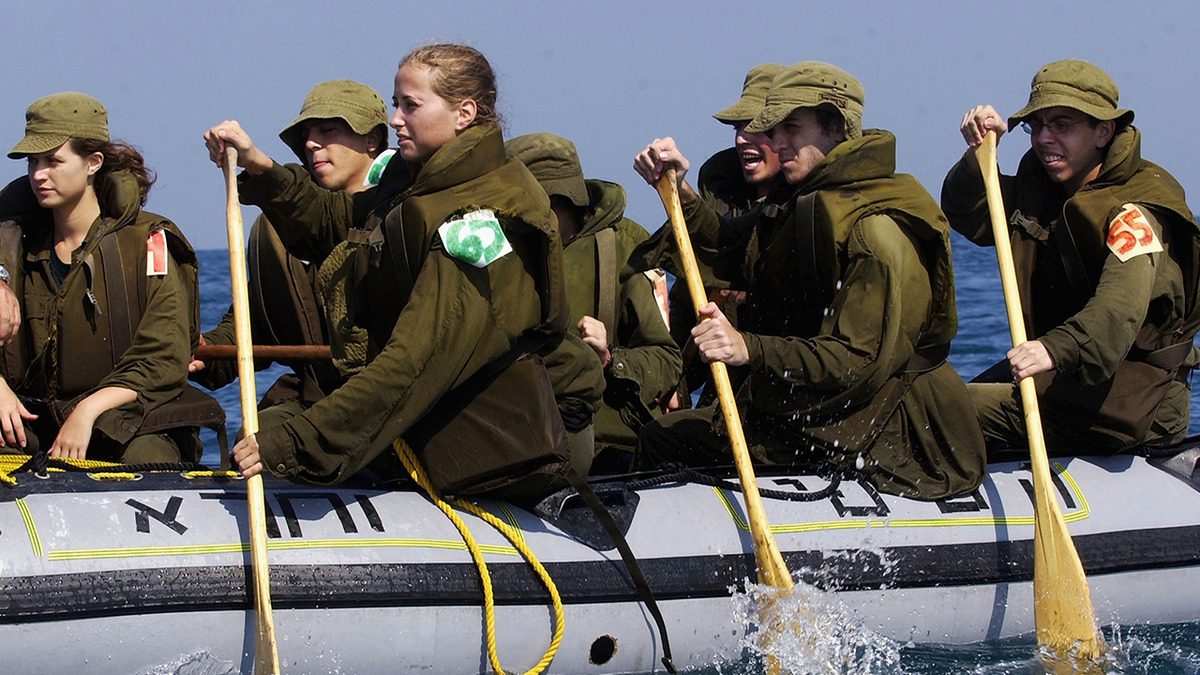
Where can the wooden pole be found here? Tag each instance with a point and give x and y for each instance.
(771, 569)
(277, 353)
(266, 656)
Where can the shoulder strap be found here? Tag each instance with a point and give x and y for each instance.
(806, 249)
(123, 315)
(1071, 260)
(606, 278)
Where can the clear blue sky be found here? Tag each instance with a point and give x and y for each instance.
(609, 75)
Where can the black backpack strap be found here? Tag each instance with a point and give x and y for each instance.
(631, 564)
(123, 315)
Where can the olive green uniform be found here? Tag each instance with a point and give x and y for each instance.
(1101, 320)
(426, 329)
(70, 343)
(847, 326)
(645, 362)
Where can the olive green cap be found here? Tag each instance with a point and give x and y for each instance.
(754, 92)
(811, 84)
(52, 120)
(355, 104)
(553, 162)
(1074, 84)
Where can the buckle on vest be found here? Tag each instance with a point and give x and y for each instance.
(1029, 226)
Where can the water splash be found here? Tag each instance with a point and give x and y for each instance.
(810, 631)
(200, 663)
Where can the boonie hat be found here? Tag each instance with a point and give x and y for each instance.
(811, 84)
(52, 120)
(355, 104)
(553, 162)
(1074, 84)
(754, 92)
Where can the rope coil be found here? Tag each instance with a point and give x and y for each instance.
(417, 473)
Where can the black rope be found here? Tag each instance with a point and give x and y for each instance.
(39, 462)
(690, 475)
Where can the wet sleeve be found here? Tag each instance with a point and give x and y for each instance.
(869, 328)
(646, 363)
(447, 324)
(1091, 344)
(310, 220)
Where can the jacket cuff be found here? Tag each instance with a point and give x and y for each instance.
(754, 350)
(277, 450)
(1063, 349)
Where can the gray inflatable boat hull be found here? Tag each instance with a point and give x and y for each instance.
(119, 576)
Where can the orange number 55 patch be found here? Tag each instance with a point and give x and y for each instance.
(1130, 234)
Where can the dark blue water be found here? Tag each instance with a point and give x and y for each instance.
(982, 340)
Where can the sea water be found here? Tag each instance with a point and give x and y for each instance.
(834, 642)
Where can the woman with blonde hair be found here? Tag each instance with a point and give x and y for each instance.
(443, 290)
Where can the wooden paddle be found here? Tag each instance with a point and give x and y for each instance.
(266, 657)
(277, 353)
(1062, 603)
(771, 570)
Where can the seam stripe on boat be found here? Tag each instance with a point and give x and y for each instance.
(30, 528)
(141, 591)
(210, 549)
(511, 520)
(1078, 514)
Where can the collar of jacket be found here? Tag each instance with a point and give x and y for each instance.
(871, 156)
(1121, 162)
(471, 154)
(721, 175)
(117, 193)
(606, 208)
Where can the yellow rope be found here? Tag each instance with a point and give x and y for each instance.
(10, 463)
(418, 474)
(211, 474)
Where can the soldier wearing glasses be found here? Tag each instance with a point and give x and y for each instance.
(1106, 255)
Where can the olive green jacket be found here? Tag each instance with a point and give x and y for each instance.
(434, 326)
(645, 362)
(832, 325)
(71, 333)
(1094, 320)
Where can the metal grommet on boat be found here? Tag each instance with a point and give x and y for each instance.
(602, 650)
(108, 475)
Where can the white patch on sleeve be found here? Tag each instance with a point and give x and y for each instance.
(476, 238)
(1130, 234)
(156, 254)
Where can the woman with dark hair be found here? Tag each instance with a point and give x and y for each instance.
(441, 301)
(107, 294)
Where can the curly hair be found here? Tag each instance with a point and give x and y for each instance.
(118, 156)
(457, 73)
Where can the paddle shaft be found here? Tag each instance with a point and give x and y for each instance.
(771, 569)
(1063, 614)
(266, 656)
(277, 353)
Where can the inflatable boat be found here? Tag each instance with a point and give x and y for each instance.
(149, 573)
